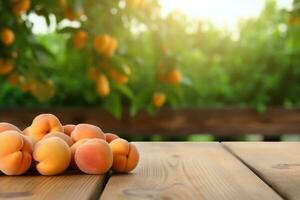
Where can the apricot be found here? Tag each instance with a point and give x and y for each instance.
(109, 137)
(110, 50)
(20, 6)
(26, 131)
(53, 156)
(44, 124)
(72, 14)
(82, 131)
(101, 43)
(15, 153)
(13, 79)
(4, 126)
(62, 136)
(68, 128)
(174, 77)
(102, 86)
(159, 99)
(5, 67)
(7, 36)
(94, 156)
(73, 150)
(79, 39)
(125, 154)
(118, 77)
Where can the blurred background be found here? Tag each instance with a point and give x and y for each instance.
(155, 69)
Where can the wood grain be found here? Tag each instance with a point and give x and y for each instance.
(187, 171)
(278, 163)
(70, 186)
(221, 122)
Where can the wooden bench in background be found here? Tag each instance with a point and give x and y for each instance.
(175, 123)
(179, 170)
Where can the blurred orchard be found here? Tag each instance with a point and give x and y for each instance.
(125, 53)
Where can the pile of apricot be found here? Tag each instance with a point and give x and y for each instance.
(51, 148)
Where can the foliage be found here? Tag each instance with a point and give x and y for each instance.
(116, 53)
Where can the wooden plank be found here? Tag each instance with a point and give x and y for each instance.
(68, 186)
(222, 122)
(278, 163)
(185, 170)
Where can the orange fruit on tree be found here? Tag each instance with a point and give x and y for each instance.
(110, 50)
(101, 43)
(5, 67)
(13, 79)
(159, 99)
(102, 85)
(174, 76)
(72, 14)
(20, 6)
(79, 39)
(7, 36)
(118, 77)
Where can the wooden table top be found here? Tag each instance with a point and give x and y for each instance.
(179, 170)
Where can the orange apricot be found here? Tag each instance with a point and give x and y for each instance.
(5, 67)
(158, 99)
(7, 36)
(15, 153)
(82, 131)
(174, 77)
(26, 131)
(79, 39)
(125, 154)
(13, 79)
(94, 156)
(44, 124)
(109, 137)
(73, 150)
(68, 128)
(102, 86)
(118, 77)
(20, 6)
(61, 135)
(111, 48)
(53, 156)
(101, 43)
(72, 14)
(4, 126)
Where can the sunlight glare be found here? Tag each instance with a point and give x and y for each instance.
(225, 13)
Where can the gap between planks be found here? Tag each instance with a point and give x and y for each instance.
(253, 170)
(277, 163)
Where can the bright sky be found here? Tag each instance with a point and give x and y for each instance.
(220, 12)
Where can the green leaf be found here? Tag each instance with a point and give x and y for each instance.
(125, 90)
(114, 105)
